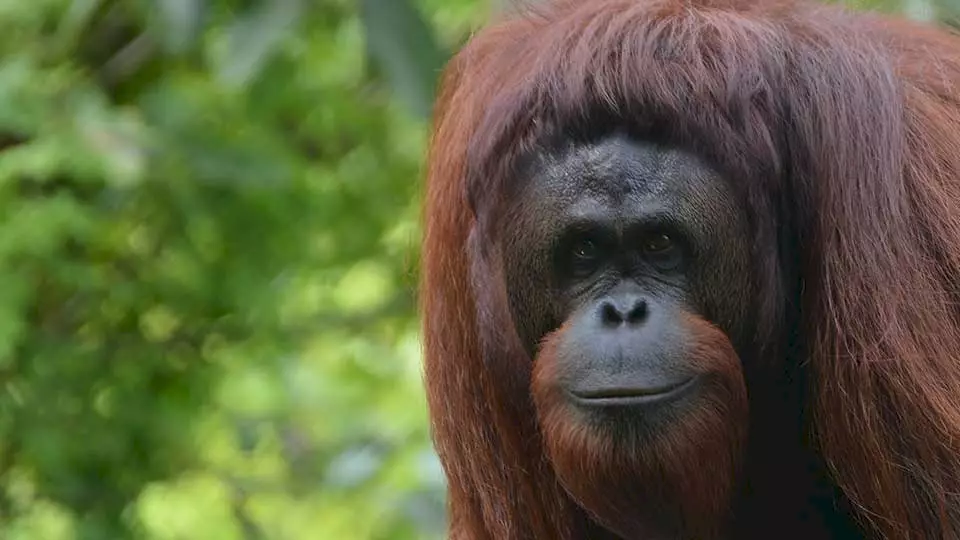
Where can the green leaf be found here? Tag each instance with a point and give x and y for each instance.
(250, 41)
(404, 45)
(179, 23)
(76, 19)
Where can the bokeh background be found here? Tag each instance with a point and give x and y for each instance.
(209, 227)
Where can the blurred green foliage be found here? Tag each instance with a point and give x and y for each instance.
(208, 242)
(208, 230)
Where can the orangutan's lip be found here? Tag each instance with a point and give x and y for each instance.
(632, 396)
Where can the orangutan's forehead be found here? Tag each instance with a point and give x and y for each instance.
(618, 171)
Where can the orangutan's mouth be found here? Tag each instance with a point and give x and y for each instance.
(632, 395)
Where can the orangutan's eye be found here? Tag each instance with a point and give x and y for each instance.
(657, 243)
(585, 250)
(585, 257)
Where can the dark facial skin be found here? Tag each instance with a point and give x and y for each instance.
(617, 241)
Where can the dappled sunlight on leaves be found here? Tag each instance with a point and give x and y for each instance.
(208, 253)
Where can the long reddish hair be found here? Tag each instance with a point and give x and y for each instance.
(841, 132)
